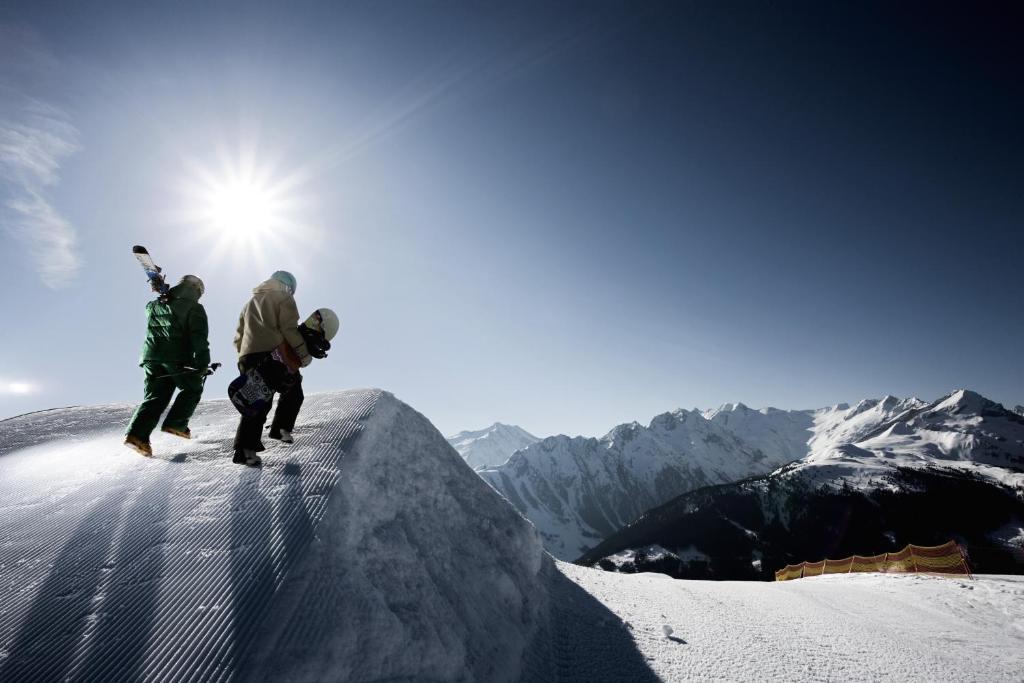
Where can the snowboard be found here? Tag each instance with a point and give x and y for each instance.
(250, 393)
(153, 271)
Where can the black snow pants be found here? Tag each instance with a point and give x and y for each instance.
(250, 429)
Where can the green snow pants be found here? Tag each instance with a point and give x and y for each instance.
(158, 391)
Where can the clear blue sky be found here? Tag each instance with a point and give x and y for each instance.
(560, 215)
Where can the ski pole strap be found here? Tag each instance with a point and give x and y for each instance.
(188, 370)
(175, 374)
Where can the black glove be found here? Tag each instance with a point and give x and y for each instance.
(316, 343)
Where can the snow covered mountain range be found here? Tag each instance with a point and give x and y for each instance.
(878, 475)
(579, 491)
(491, 446)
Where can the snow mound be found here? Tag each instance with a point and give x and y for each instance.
(366, 551)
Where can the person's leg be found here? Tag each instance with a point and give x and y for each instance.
(249, 434)
(190, 390)
(288, 408)
(158, 392)
(250, 427)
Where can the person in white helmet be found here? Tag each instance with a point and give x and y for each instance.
(317, 331)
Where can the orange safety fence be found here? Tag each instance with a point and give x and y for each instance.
(948, 558)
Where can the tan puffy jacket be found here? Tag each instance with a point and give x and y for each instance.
(269, 318)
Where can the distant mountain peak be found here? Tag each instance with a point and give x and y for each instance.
(674, 418)
(963, 401)
(737, 407)
(961, 395)
(863, 405)
(492, 445)
(667, 420)
(624, 431)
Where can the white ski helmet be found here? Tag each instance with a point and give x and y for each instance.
(324, 320)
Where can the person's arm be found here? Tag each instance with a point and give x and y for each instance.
(199, 336)
(240, 332)
(289, 321)
(288, 355)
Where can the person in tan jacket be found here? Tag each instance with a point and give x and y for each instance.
(268, 338)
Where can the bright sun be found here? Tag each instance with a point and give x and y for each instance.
(245, 210)
(242, 209)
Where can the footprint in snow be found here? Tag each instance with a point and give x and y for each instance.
(668, 631)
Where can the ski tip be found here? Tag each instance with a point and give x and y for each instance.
(139, 250)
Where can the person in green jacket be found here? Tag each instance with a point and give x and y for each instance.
(176, 355)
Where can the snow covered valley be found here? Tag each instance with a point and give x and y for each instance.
(859, 627)
(370, 551)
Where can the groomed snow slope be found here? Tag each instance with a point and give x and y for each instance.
(366, 551)
(860, 627)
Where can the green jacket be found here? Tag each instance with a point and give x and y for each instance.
(177, 331)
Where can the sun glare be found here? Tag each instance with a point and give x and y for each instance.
(19, 388)
(245, 209)
(241, 208)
